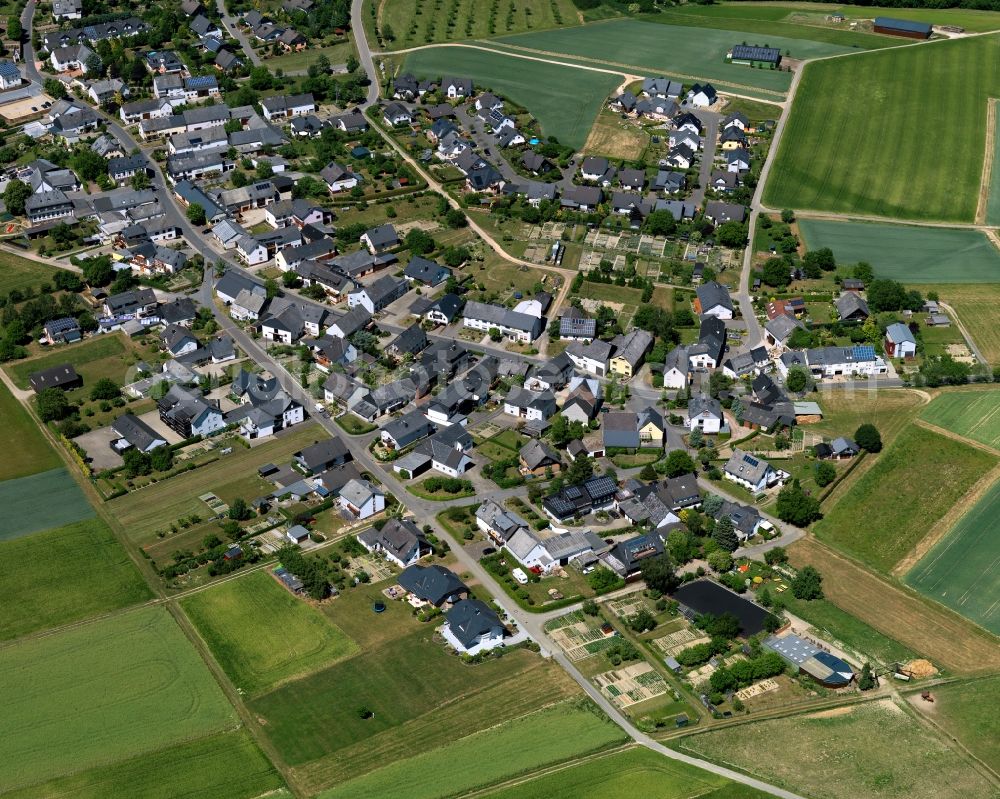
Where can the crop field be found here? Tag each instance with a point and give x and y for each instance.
(224, 766)
(970, 414)
(548, 736)
(41, 501)
(991, 190)
(143, 513)
(417, 22)
(564, 100)
(623, 774)
(961, 570)
(671, 50)
(925, 474)
(84, 571)
(21, 273)
(968, 711)
(20, 434)
(895, 168)
(261, 634)
(100, 693)
(925, 627)
(881, 750)
(912, 255)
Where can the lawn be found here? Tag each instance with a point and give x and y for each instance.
(971, 414)
(94, 358)
(261, 634)
(102, 692)
(621, 775)
(354, 426)
(21, 273)
(20, 434)
(421, 490)
(672, 50)
(485, 758)
(224, 766)
(154, 508)
(906, 253)
(616, 138)
(564, 100)
(968, 711)
(925, 474)
(64, 575)
(849, 630)
(978, 309)
(301, 61)
(417, 22)
(927, 628)
(895, 168)
(960, 570)
(873, 749)
(41, 501)
(845, 411)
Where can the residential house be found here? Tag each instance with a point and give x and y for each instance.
(705, 414)
(538, 458)
(630, 352)
(597, 493)
(285, 106)
(750, 471)
(530, 405)
(582, 198)
(712, 299)
(338, 178)
(899, 341)
(407, 429)
(133, 433)
(472, 627)
(708, 351)
(583, 400)
(652, 430)
(399, 540)
(379, 294)
(361, 499)
(428, 273)
(396, 114)
(591, 356)
(322, 455)
(177, 340)
(381, 238)
(701, 95)
(675, 368)
(621, 430)
(575, 324)
(457, 88)
(497, 522)
(61, 331)
(188, 413)
(597, 170)
(63, 376)
(719, 212)
(625, 558)
(851, 307)
(737, 160)
(444, 310)
(433, 584)
(409, 342)
(511, 324)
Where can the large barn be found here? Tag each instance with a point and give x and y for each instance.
(754, 56)
(902, 27)
(825, 668)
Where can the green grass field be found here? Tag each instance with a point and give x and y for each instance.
(891, 132)
(41, 501)
(873, 750)
(416, 22)
(485, 758)
(261, 634)
(978, 308)
(671, 50)
(103, 356)
(895, 503)
(100, 693)
(20, 434)
(993, 197)
(224, 766)
(564, 100)
(622, 775)
(968, 711)
(849, 630)
(21, 273)
(64, 575)
(960, 571)
(291, 63)
(155, 507)
(971, 414)
(908, 253)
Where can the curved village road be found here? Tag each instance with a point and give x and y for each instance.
(234, 30)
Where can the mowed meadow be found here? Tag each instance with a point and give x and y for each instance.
(896, 133)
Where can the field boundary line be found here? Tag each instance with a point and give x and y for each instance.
(987, 175)
(947, 522)
(941, 431)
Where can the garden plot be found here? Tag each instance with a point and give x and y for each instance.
(216, 504)
(377, 568)
(672, 643)
(626, 607)
(579, 636)
(630, 685)
(758, 688)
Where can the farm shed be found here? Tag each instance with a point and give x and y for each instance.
(754, 56)
(902, 27)
(825, 668)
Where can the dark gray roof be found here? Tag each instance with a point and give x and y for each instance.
(432, 584)
(471, 618)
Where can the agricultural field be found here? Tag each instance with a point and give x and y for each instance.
(63, 575)
(485, 758)
(968, 711)
(20, 434)
(895, 170)
(41, 501)
(416, 22)
(948, 640)
(845, 411)
(880, 750)
(672, 50)
(925, 473)
(224, 766)
(990, 214)
(22, 273)
(100, 693)
(263, 635)
(564, 100)
(971, 414)
(978, 309)
(960, 570)
(153, 509)
(912, 255)
(634, 772)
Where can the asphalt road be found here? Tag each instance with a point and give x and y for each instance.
(364, 52)
(236, 32)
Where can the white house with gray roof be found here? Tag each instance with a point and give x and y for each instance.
(751, 471)
(511, 324)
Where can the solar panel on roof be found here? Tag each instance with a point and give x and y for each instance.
(751, 460)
